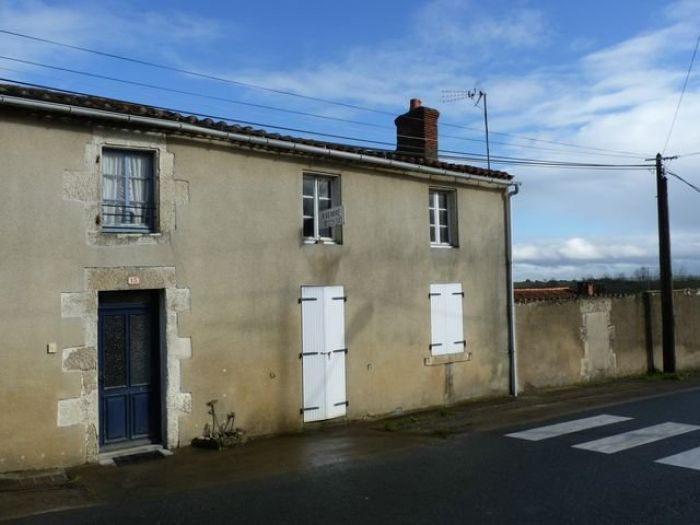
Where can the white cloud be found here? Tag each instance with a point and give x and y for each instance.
(604, 255)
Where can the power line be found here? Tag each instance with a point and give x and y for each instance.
(683, 180)
(474, 157)
(183, 71)
(551, 164)
(227, 119)
(693, 154)
(183, 92)
(282, 92)
(680, 99)
(569, 144)
(268, 107)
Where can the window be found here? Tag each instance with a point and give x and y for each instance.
(128, 202)
(446, 322)
(320, 193)
(443, 224)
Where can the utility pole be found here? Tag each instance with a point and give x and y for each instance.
(666, 279)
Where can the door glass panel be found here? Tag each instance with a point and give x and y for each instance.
(114, 351)
(140, 336)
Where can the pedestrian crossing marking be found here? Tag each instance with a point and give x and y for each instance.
(568, 427)
(635, 438)
(688, 459)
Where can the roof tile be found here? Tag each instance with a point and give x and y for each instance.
(95, 102)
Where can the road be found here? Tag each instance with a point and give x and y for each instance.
(538, 476)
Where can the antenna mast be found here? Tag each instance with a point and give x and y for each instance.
(450, 95)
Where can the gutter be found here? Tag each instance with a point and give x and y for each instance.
(170, 125)
(513, 189)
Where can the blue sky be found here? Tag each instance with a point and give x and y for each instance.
(604, 77)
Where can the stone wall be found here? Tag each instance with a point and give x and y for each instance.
(567, 342)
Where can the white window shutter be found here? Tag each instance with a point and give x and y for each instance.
(446, 319)
(437, 319)
(334, 311)
(454, 320)
(313, 354)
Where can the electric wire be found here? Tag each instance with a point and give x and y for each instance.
(680, 99)
(693, 154)
(227, 119)
(274, 108)
(184, 92)
(683, 180)
(284, 92)
(182, 71)
(474, 157)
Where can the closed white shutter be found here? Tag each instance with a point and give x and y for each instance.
(334, 306)
(323, 352)
(313, 354)
(446, 319)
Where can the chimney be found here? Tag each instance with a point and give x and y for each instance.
(416, 131)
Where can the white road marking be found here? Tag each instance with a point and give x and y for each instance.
(568, 427)
(635, 438)
(688, 459)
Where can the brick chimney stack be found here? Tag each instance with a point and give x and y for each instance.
(416, 131)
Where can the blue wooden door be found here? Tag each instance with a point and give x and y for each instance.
(129, 374)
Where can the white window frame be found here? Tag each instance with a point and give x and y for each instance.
(447, 319)
(445, 234)
(150, 227)
(336, 231)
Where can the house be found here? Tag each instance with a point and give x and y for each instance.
(153, 261)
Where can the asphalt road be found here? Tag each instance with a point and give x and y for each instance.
(481, 477)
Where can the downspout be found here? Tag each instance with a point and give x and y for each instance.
(512, 190)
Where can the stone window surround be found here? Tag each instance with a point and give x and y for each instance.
(85, 186)
(84, 409)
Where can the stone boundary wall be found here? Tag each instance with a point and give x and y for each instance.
(587, 338)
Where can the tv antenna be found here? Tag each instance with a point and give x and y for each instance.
(453, 95)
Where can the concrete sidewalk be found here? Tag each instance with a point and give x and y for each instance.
(29, 493)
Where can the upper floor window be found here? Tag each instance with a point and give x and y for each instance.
(443, 223)
(320, 193)
(128, 191)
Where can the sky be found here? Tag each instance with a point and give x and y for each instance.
(579, 82)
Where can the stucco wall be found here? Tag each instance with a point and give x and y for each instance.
(559, 343)
(231, 261)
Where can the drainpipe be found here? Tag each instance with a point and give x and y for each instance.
(512, 190)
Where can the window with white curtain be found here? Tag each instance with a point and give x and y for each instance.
(128, 189)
